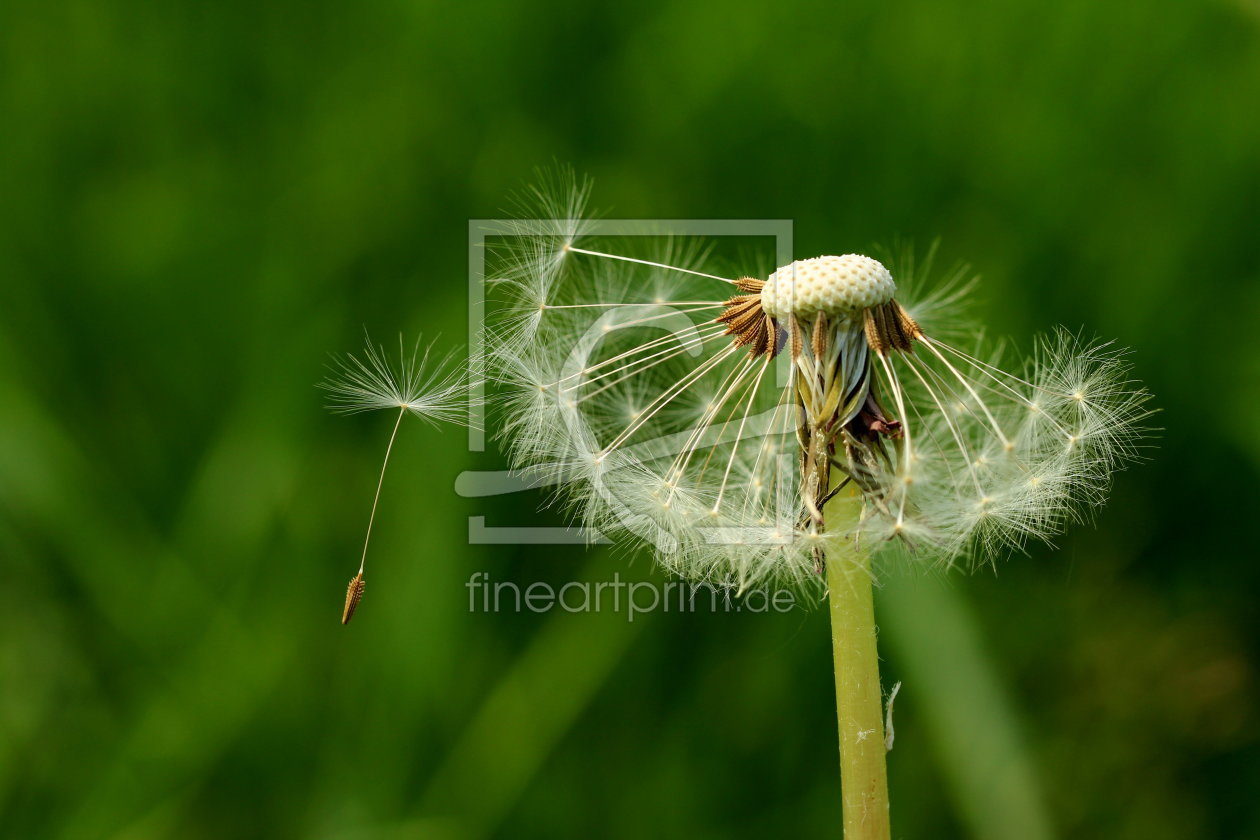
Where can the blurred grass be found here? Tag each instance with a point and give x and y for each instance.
(964, 708)
(199, 203)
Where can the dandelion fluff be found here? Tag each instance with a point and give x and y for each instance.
(432, 389)
(714, 416)
(429, 388)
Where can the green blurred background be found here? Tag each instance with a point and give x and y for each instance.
(200, 202)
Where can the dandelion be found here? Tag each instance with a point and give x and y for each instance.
(717, 416)
(433, 391)
(781, 428)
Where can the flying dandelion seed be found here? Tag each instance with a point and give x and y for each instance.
(714, 417)
(434, 391)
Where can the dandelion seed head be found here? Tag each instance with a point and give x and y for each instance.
(714, 425)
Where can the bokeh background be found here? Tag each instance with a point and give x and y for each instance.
(199, 203)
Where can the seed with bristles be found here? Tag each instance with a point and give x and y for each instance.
(353, 593)
(431, 392)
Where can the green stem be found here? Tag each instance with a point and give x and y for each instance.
(859, 701)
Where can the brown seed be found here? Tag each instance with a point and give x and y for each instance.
(818, 342)
(747, 321)
(889, 327)
(353, 593)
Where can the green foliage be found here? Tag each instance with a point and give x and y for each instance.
(200, 202)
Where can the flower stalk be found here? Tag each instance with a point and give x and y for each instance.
(859, 700)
